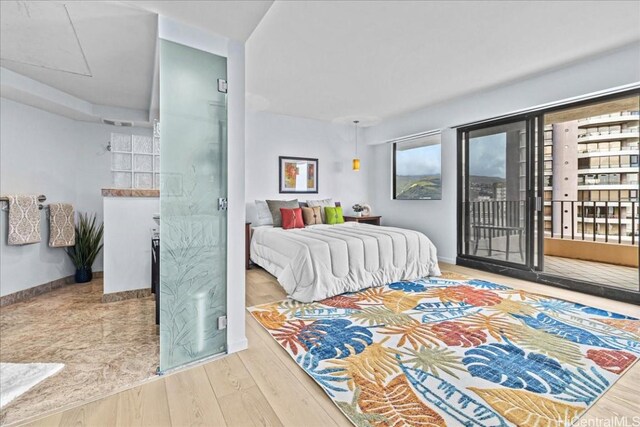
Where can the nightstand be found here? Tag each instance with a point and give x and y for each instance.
(247, 245)
(373, 220)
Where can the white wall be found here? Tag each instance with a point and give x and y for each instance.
(63, 159)
(272, 135)
(35, 158)
(437, 219)
(127, 242)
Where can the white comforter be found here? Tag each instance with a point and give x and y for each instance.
(321, 261)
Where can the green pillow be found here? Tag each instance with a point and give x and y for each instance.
(333, 215)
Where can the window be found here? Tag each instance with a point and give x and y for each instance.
(417, 169)
(135, 161)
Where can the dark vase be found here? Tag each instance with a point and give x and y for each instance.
(84, 275)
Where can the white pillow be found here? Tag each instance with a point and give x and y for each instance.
(263, 213)
(322, 203)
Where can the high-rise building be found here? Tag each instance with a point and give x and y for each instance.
(591, 177)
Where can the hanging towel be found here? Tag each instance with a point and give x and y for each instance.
(24, 220)
(62, 230)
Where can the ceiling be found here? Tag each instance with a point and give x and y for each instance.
(233, 19)
(100, 52)
(101, 55)
(372, 60)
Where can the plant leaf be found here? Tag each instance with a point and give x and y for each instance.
(458, 334)
(632, 326)
(615, 361)
(341, 301)
(439, 311)
(466, 409)
(381, 316)
(334, 338)
(287, 335)
(497, 325)
(430, 359)
(506, 364)
(550, 345)
(352, 411)
(563, 330)
(376, 363)
(528, 409)
(88, 238)
(415, 333)
(466, 294)
(399, 301)
(397, 403)
(407, 286)
(270, 319)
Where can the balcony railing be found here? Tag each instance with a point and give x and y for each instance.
(606, 221)
(571, 218)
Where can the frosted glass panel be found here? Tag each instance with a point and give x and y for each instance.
(142, 144)
(143, 180)
(120, 142)
(144, 163)
(122, 180)
(121, 162)
(193, 235)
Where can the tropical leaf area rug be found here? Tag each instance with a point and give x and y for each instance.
(455, 351)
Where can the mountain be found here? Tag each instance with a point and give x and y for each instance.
(425, 187)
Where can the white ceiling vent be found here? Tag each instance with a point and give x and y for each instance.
(121, 123)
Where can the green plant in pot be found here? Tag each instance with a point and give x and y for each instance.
(88, 245)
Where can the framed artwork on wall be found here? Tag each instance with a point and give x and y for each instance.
(298, 175)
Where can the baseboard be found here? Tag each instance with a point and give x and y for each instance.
(447, 260)
(125, 295)
(238, 345)
(29, 293)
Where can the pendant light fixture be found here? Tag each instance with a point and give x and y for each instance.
(356, 160)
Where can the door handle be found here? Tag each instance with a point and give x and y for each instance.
(538, 204)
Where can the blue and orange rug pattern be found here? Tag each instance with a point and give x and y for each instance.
(455, 351)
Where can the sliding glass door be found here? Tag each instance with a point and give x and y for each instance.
(498, 193)
(552, 196)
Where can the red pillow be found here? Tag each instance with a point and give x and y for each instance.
(291, 218)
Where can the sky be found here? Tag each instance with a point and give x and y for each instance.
(488, 155)
(419, 161)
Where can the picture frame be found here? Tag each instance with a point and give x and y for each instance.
(298, 175)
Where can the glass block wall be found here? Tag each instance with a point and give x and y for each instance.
(135, 161)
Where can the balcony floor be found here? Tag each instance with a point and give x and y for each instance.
(589, 271)
(605, 274)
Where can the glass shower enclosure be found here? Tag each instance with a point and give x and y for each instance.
(193, 217)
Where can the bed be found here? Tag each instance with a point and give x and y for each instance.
(322, 261)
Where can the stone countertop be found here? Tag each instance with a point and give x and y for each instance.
(130, 192)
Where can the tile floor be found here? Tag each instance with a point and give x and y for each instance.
(605, 274)
(105, 346)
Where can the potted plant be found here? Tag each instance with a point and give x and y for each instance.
(357, 208)
(88, 245)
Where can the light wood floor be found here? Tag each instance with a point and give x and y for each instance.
(262, 386)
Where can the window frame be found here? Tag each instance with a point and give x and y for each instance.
(394, 145)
